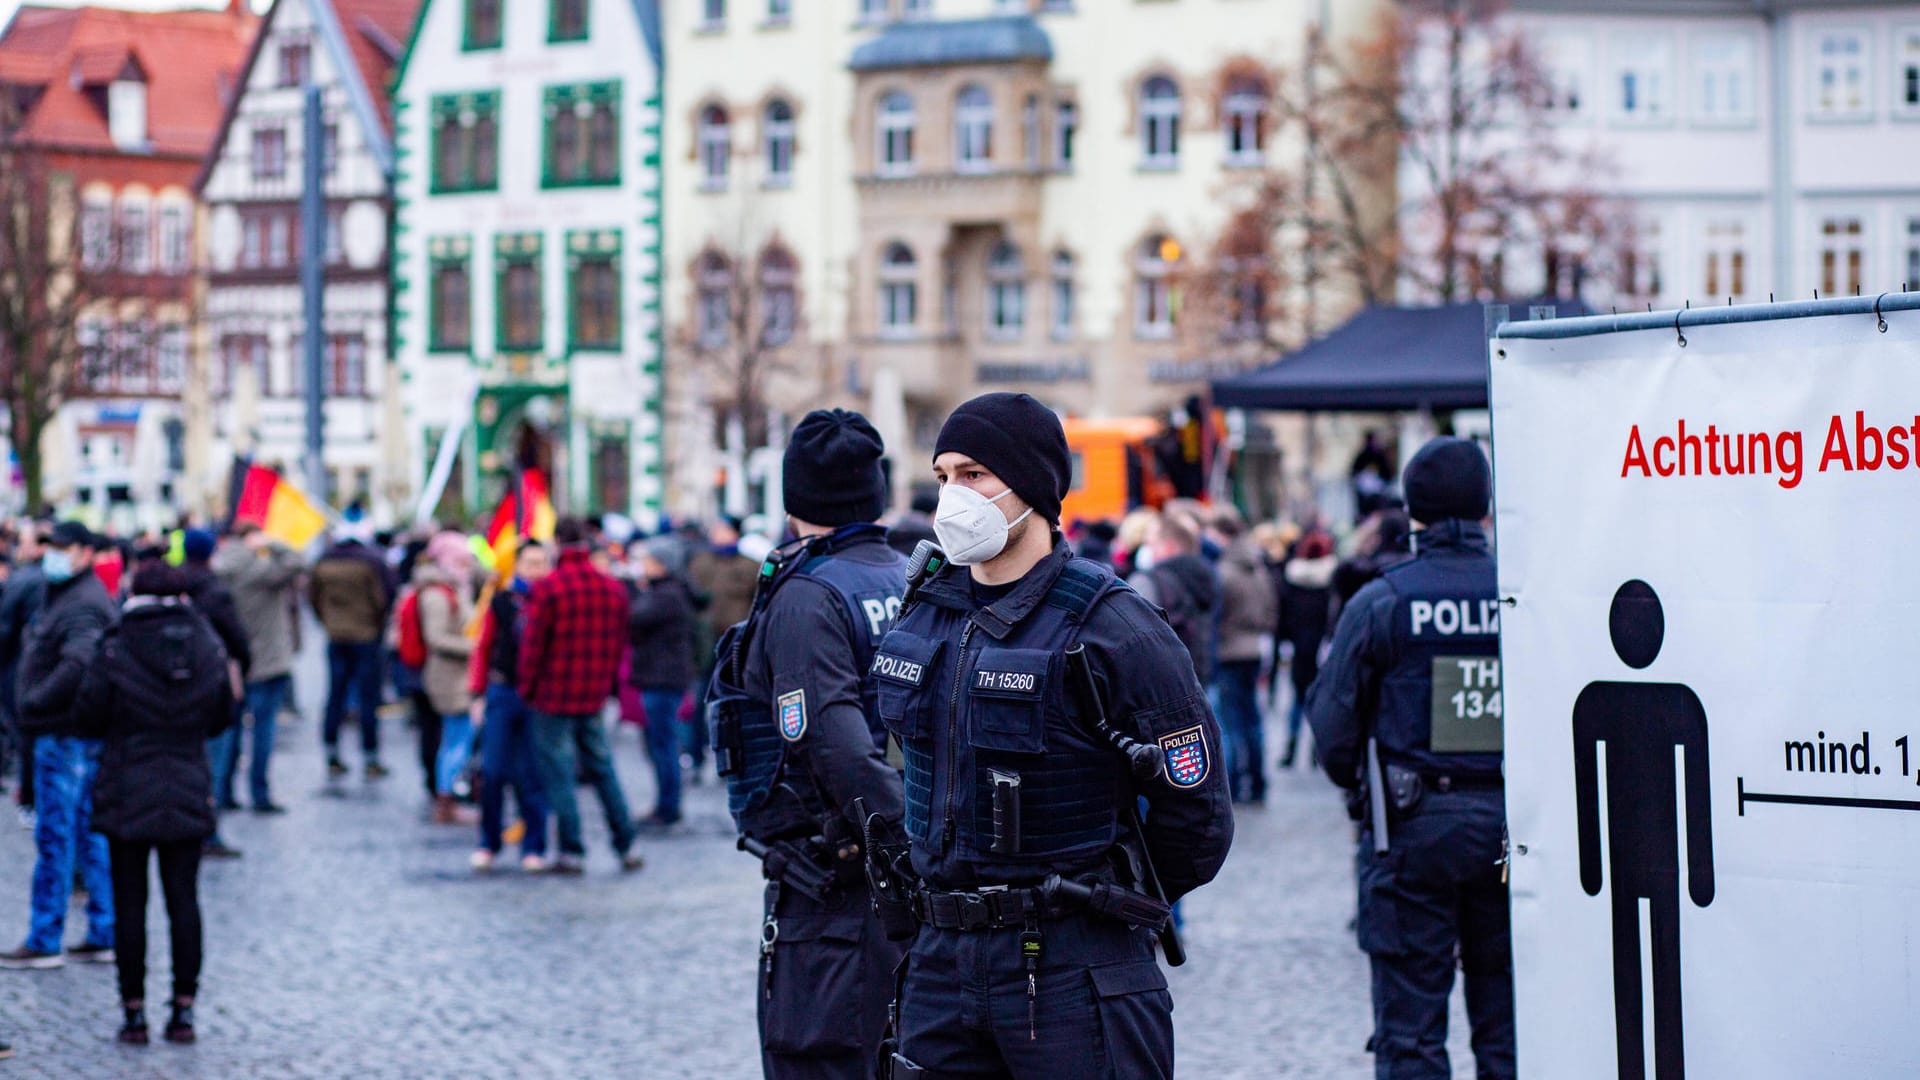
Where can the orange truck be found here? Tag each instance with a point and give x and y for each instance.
(1113, 468)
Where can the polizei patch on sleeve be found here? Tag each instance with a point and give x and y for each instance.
(897, 668)
(1186, 751)
(793, 715)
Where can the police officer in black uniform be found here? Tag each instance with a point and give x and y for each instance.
(800, 745)
(1025, 870)
(1407, 716)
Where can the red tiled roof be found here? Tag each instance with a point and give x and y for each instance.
(377, 33)
(190, 59)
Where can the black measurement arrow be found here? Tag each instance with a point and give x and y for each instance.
(1818, 800)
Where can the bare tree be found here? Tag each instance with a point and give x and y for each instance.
(47, 287)
(1430, 157)
(745, 325)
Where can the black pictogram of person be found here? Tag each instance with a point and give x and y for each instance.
(1641, 723)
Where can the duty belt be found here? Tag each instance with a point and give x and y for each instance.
(986, 909)
(1442, 782)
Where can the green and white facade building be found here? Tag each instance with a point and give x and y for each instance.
(527, 270)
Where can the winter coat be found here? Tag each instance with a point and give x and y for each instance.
(58, 648)
(1306, 600)
(1186, 588)
(262, 586)
(445, 611)
(20, 601)
(1248, 609)
(351, 591)
(726, 578)
(660, 628)
(155, 692)
(214, 601)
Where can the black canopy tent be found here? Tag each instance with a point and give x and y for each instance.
(1383, 359)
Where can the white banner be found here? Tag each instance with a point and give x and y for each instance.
(1711, 557)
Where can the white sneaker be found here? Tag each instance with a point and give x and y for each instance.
(481, 860)
(534, 864)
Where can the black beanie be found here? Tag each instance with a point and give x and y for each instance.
(831, 473)
(1448, 478)
(1020, 441)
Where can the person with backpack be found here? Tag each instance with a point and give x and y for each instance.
(433, 621)
(1178, 579)
(155, 691)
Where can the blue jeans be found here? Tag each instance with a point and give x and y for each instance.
(1236, 681)
(353, 667)
(64, 768)
(506, 757)
(456, 746)
(558, 739)
(264, 701)
(663, 746)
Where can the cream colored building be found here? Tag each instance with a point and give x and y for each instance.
(897, 204)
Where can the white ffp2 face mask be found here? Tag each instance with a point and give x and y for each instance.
(969, 527)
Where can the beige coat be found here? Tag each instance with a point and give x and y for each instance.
(443, 623)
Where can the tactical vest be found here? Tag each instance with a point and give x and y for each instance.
(1440, 705)
(747, 733)
(1010, 722)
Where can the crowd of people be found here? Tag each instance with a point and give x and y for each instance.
(137, 675)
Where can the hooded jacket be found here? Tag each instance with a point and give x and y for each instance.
(1248, 607)
(1185, 586)
(58, 648)
(445, 611)
(155, 692)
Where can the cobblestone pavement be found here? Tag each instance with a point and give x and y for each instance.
(352, 941)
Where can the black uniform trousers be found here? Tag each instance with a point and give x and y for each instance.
(1101, 1012)
(1433, 901)
(823, 1004)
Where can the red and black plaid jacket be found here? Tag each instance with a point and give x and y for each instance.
(573, 632)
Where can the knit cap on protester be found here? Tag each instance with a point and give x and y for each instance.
(1020, 441)
(831, 473)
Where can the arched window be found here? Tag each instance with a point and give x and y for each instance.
(973, 129)
(1062, 296)
(714, 278)
(899, 298)
(778, 129)
(1006, 292)
(1030, 131)
(716, 139)
(1243, 115)
(1159, 123)
(1153, 268)
(778, 276)
(895, 127)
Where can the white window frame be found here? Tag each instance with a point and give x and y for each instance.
(893, 131)
(1909, 238)
(713, 15)
(1242, 112)
(1904, 69)
(175, 237)
(1817, 67)
(973, 129)
(779, 12)
(170, 359)
(1726, 256)
(1152, 292)
(1160, 122)
(1066, 125)
(899, 312)
(874, 12)
(1724, 90)
(98, 226)
(1842, 284)
(1006, 314)
(779, 143)
(715, 140)
(279, 253)
(1030, 131)
(1062, 317)
(713, 307)
(1648, 60)
(136, 235)
(916, 9)
(1567, 60)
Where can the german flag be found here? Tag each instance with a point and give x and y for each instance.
(525, 511)
(261, 496)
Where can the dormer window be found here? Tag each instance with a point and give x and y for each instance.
(127, 113)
